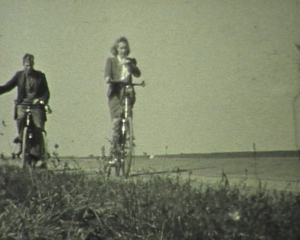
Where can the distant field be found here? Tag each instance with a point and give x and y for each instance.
(281, 173)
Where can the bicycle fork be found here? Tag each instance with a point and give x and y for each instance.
(124, 129)
(27, 124)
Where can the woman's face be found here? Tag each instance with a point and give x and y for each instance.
(122, 49)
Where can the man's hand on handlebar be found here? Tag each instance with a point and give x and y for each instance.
(38, 101)
(41, 102)
(48, 109)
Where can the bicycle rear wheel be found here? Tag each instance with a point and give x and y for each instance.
(25, 143)
(127, 147)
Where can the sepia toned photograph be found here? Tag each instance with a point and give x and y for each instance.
(151, 120)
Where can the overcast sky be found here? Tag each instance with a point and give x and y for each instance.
(220, 74)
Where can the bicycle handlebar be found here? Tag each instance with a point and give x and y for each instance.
(39, 104)
(142, 84)
(30, 104)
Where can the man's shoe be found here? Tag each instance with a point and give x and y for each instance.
(17, 140)
(113, 161)
(18, 150)
(41, 164)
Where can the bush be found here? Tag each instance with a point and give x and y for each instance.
(43, 205)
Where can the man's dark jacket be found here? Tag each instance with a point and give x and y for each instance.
(41, 90)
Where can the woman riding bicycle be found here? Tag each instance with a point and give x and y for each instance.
(119, 69)
(32, 90)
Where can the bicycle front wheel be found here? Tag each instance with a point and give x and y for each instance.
(45, 152)
(25, 144)
(127, 147)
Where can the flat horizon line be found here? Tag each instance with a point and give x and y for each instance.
(273, 153)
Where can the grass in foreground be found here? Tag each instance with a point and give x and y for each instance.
(43, 205)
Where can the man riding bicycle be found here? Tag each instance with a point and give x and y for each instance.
(32, 88)
(119, 69)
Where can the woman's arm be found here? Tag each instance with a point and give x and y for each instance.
(108, 71)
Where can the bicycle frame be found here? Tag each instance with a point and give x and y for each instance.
(127, 108)
(126, 132)
(28, 134)
(126, 127)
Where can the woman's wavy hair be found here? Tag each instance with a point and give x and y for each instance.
(114, 50)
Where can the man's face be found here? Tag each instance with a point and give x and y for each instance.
(122, 49)
(28, 66)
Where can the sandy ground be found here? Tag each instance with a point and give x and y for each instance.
(273, 173)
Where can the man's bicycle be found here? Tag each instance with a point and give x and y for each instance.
(123, 164)
(29, 137)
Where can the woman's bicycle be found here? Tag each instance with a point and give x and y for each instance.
(29, 137)
(123, 163)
